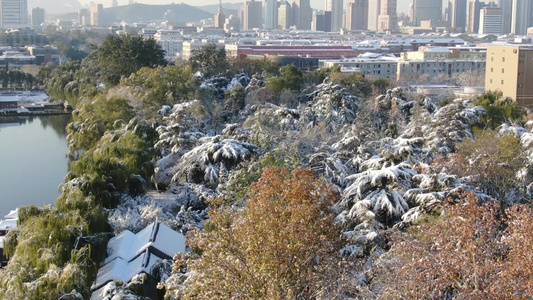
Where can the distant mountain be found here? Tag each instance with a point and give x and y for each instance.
(53, 7)
(227, 8)
(145, 12)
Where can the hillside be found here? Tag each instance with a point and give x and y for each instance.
(227, 8)
(144, 13)
(52, 7)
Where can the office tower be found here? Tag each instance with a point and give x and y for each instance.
(13, 13)
(472, 15)
(458, 14)
(425, 10)
(37, 16)
(357, 15)
(302, 14)
(411, 13)
(374, 10)
(335, 7)
(388, 18)
(522, 16)
(253, 15)
(490, 20)
(506, 6)
(284, 15)
(220, 18)
(84, 16)
(321, 22)
(271, 14)
(97, 11)
(114, 3)
(510, 70)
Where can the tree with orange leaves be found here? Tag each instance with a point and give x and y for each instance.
(282, 244)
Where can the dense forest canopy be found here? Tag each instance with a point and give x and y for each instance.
(315, 185)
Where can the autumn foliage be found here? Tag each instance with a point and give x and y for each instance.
(280, 246)
(474, 253)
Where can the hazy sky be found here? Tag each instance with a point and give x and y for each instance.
(403, 5)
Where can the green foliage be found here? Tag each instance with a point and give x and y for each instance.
(318, 76)
(162, 86)
(499, 110)
(235, 99)
(356, 83)
(16, 80)
(94, 118)
(291, 79)
(119, 162)
(240, 180)
(122, 56)
(381, 85)
(490, 162)
(253, 66)
(67, 82)
(209, 60)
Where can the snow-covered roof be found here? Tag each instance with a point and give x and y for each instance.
(8, 224)
(124, 271)
(128, 245)
(14, 214)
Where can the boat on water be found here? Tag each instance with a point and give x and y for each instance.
(7, 224)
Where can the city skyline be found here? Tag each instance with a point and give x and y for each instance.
(403, 5)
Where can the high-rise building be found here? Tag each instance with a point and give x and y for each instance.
(336, 9)
(321, 21)
(374, 10)
(357, 15)
(84, 16)
(220, 18)
(522, 16)
(427, 10)
(510, 70)
(388, 17)
(302, 14)
(253, 15)
(284, 15)
(37, 16)
(271, 14)
(490, 20)
(458, 14)
(13, 13)
(472, 15)
(507, 9)
(97, 11)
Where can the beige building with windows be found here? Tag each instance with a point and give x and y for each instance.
(510, 70)
(432, 61)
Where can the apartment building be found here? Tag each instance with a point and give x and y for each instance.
(510, 70)
(432, 61)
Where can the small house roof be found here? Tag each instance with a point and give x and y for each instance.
(8, 224)
(157, 236)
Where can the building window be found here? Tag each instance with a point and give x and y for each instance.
(502, 81)
(491, 81)
(491, 70)
(503, 70)
(492, 58)
(503, 59)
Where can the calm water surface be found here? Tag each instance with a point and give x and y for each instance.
(33, 160)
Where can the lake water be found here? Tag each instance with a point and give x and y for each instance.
(33, 160)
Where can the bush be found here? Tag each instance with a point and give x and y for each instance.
(472, 253)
